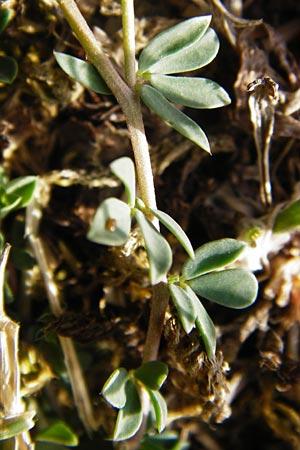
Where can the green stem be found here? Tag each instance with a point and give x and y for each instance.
(129, 42)
(127, 98)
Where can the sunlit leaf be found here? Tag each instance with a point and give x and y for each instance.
(5, 16)
(288, 218)
(83, 72)
(123, 168)
(211, 256)
(158, 250)
(197, 55)
(8, 69)
(14, 425)
(160, 409)
(173, 117)
(114, 389)
(173, 40)
(23, 187)
(130, 417)
(111, 223)
(175, 229)
(185, 307)
(191, 91)
(205, 325)
(152, 374)
(58, 433)
(235, 288)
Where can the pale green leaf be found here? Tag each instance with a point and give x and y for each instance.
(193, 92)
(288, 218)
(58, 433)
(114, 389)
(173, 40)
(197, 55)
(152, 374)
(185, 307)
(234, 288)
(83, 72)
(173, 117)
(204, 324)
(130, 417)
(23, 187)
(14, 425)
(160, 409)
(111, 223)
(211, 256)
(123, 168)
(158, 250)
(8, 69)
(175, 229)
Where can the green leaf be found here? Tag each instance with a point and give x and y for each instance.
(8, 69)
(14, 425)
(83, 72)
(288, 218)
(5, 16)
(160, 409)
(58, 433)
(111, 223)
(23, 187)
(197, 55)
(158, 250)
(234, 288)
(172, 40)
(211, 256)
(205, 325)
(13, 202)
(123, 168)
(114, 389)
(175, 229)
(185, 307)
(152, 374)
(190, 91)
(130, 417)
(173, 117)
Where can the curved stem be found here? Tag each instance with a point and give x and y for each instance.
(127, 98)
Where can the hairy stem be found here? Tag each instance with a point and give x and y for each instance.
(127, 98)
(129, 42)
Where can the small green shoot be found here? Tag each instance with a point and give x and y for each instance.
(288, 219)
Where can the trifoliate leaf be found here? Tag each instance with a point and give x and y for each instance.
(211, 256)
(173, 117)
(114, 389)
(185, 307)
(175, 229)
(123, 168)
(130, 417)
(111, 223)
(193, 92)
(234, 288)
(158, 250)
(83, 72)
(152, 374)
(171, 41)
(160, 409)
